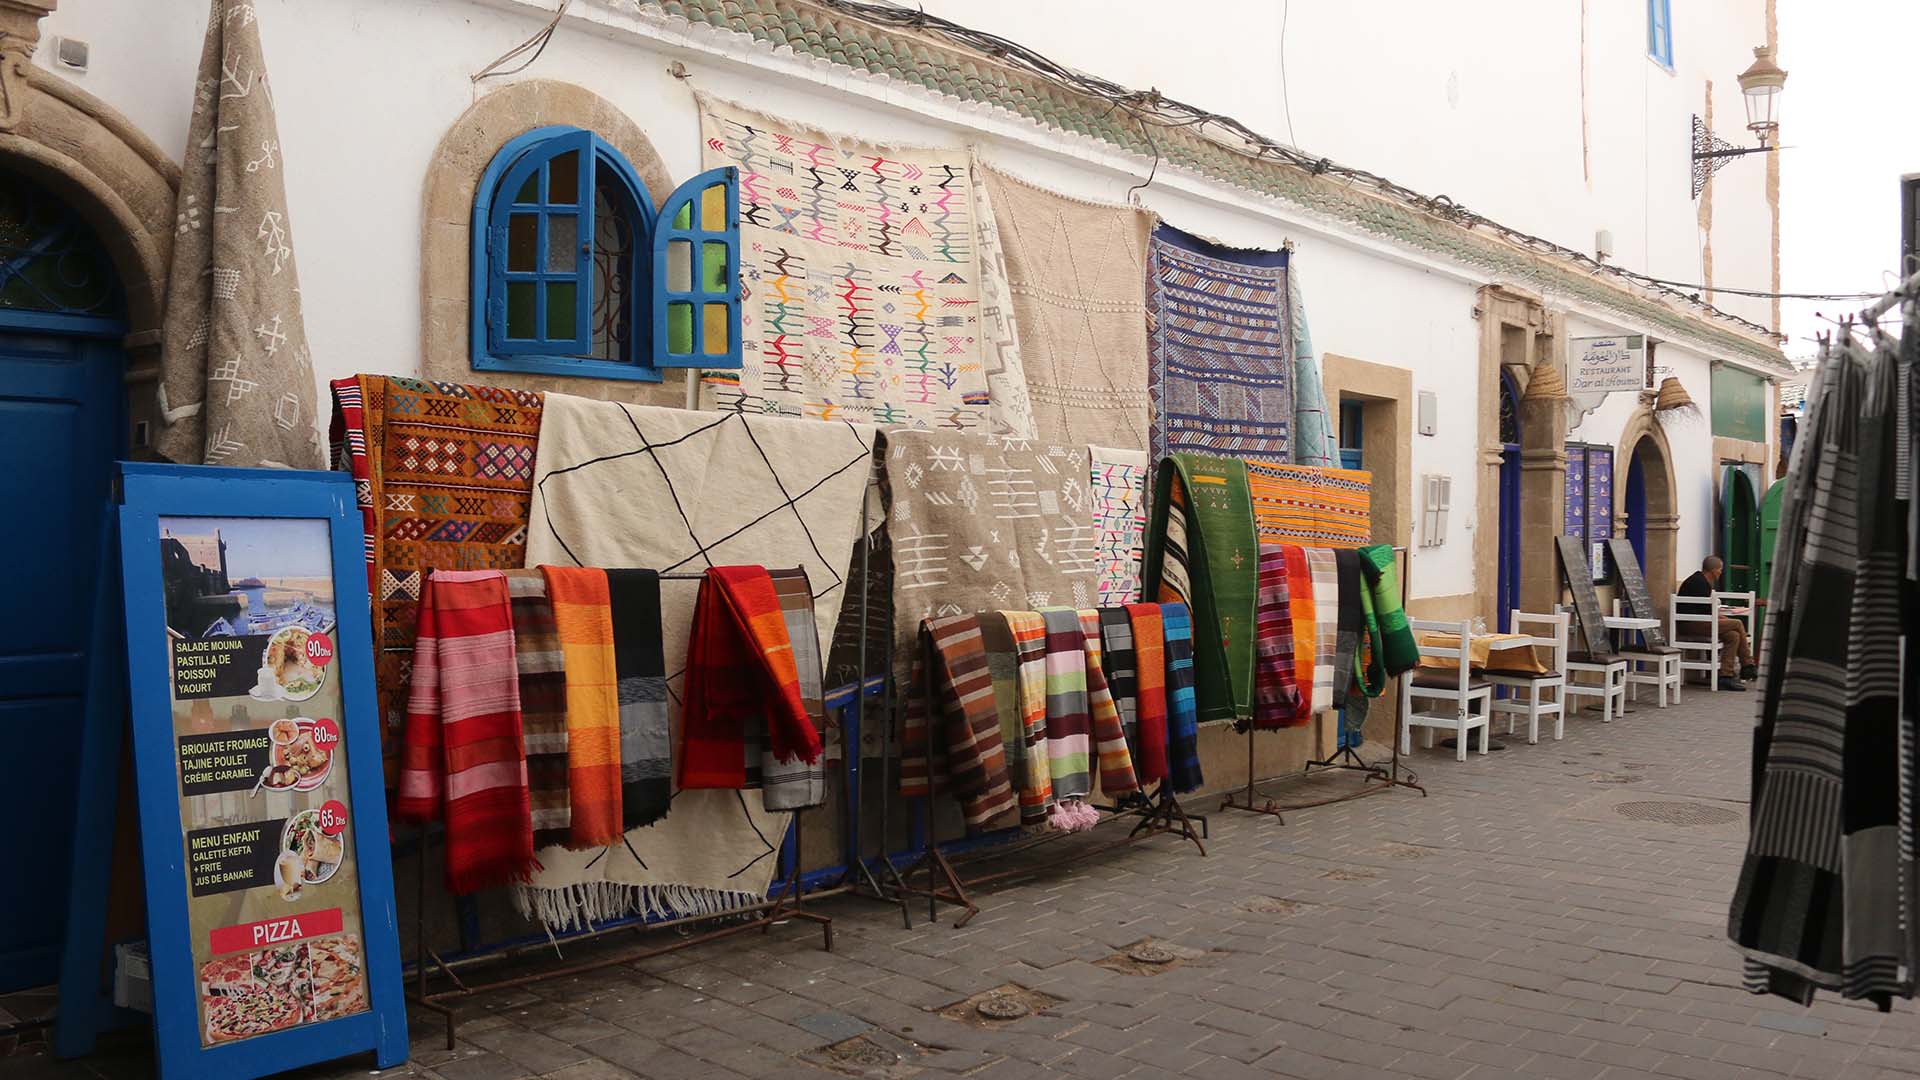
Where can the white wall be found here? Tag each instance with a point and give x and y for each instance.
(1482, 102)
(366, 88)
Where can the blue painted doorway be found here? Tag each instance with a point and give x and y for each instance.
(62, 419)
(1507, 570)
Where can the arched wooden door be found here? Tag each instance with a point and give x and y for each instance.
(1739, 531)
(1507, 590)
(1769, 535)
(62, 320)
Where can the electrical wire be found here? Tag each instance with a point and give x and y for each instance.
(1151, 107)
(537, 43)
(1286, 95)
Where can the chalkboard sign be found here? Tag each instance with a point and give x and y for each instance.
(1639, 602)
(1586, 601)
(257, 764)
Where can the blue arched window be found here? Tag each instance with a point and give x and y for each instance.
(574, 274)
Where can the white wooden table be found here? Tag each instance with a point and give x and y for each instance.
(1620, 625)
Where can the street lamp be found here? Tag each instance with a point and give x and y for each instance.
(1760, 85)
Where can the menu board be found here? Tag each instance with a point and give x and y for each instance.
(266, 813)
(1591, 625)
(1639, 601)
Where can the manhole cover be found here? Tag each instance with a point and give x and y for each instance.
(991, 1008)
(1148, 953)
(1677, 813)
(1615, 778)
(1001, 1007)
(1270, 905)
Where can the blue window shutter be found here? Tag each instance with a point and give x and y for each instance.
(696, 274)
(1660, 31)
(543, 213)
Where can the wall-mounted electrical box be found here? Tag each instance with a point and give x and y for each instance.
(1428, 408)
(1433, 509)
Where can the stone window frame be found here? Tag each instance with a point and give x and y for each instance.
(453, 178)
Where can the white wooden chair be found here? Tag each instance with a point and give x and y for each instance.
(1652, 665)
(1535, 685)
(1460, 687)
(1697, 612)
(1750, 618)
(1612, 669)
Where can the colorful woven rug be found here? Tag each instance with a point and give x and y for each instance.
(1011, 412)
(1276, 687)
(627, 485)
(792, 784)
(1220, 349)
(1076, 271)
(1120, 515)
(1324, 569)
(543, 705)
(1315, 438)
(464, 763)
(982, 524)
(950, 736)
(1222, 568)
(1296, 504)
(860, 277)
(1183, 727)
(1110, 750)
(1151, 667)
(443, 474)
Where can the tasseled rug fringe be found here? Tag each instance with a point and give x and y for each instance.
(1072, 815)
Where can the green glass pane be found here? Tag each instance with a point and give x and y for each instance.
(521, 317)
(713, 266)
(563, 243)
(684, 219)
(563, 179)
(523, 242)
(529, 191)
(680, 328)
(679, 266)
(713, 208)
(715, 336)
(560, 310)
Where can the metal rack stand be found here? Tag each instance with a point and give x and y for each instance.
(1379, 777)
(786, 903)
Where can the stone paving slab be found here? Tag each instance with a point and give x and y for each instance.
(1547, 911)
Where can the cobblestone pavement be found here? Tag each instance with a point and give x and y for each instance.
(1548, 911)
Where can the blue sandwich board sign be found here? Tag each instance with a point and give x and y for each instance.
(269, 884)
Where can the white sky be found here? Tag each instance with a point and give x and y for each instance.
(1850, 121)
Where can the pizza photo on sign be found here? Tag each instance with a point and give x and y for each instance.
(239, 1004)
(339, 985)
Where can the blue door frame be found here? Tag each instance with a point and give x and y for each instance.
(1507, 569)
(61, 425)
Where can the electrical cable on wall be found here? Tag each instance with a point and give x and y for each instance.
(1170, 113)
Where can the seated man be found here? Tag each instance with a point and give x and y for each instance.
(1736, 659)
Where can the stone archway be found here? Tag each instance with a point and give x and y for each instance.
(118, 180)
(446, 242)
(1643, 443)
(1519, 336)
